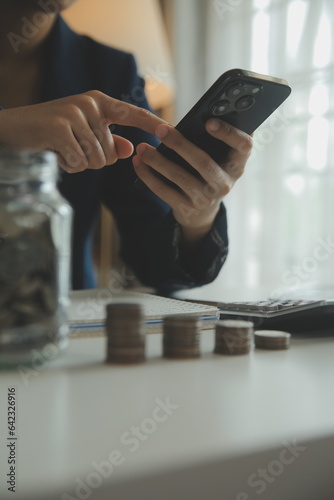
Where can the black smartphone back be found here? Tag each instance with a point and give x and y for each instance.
(241, 98)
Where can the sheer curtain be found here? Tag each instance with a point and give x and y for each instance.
(280, 213)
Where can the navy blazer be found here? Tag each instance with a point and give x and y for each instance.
(149, 234)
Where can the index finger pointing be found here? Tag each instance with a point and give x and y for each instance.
(123, 113)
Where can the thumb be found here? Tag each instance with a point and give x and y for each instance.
(123, 147)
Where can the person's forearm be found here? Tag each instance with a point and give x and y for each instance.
(76, 128)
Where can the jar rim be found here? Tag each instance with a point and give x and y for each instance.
(27, 155)
(19, 164)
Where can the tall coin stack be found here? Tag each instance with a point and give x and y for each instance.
(181, 336)
(233, 337)
(125, 329)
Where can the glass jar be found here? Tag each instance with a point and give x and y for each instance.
(35, 242)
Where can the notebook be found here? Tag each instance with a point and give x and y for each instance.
(87, 310)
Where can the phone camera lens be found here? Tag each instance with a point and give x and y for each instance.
(256, 90)
(236, 90)
(220, 108)
(245, 102)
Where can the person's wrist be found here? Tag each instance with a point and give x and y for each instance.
(191, 235)
(199, 227)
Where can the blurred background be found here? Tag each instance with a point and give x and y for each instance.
(280, 213)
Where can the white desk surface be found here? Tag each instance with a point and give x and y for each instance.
(234, 415)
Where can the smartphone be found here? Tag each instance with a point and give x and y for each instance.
(241, 98)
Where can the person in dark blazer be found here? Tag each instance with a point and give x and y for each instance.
(66, 93)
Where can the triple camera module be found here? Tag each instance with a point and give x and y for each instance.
(239, 97)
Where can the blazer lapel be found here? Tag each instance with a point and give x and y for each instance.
(66, 63)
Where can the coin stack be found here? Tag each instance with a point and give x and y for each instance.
(233, 337)
(181, 336)
(271, 339)
(125, 329)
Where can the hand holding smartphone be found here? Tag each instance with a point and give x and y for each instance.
(241, 98)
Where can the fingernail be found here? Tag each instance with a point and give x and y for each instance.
(140, 149)
(161, 131)
(214, 125)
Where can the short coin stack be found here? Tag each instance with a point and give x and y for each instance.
(233, 337)
(125, 329)
(181, 336)
(271, 339)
